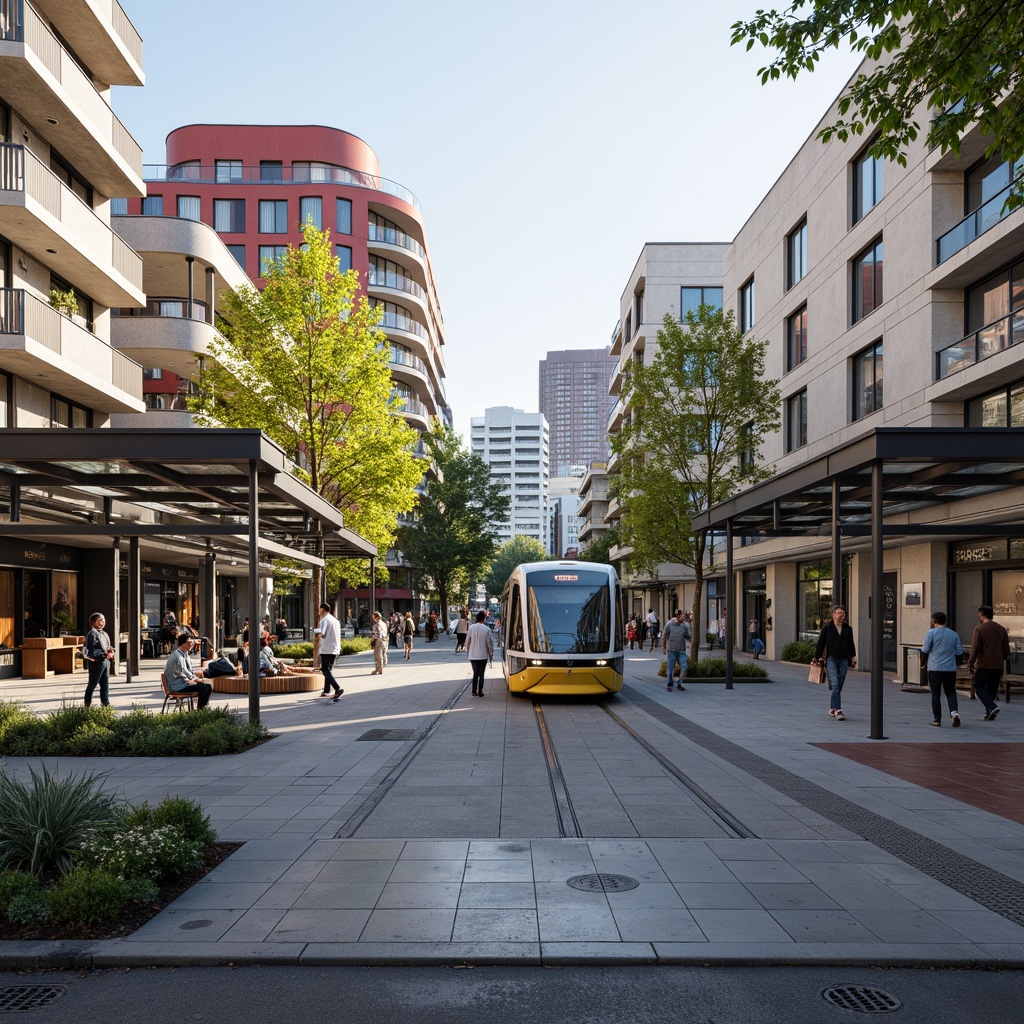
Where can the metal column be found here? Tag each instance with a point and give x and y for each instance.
(210, 296)
(134, 606)
(254, 592)
(837, 552)
(209, 620)
(373, 589)
(877, 602)
(730, 614)
(190, 260)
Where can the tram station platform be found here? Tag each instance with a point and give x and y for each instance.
(411, 822)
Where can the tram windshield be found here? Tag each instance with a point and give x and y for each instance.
(568, 611)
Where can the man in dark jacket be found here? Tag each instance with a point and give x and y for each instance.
(836, 642)
(990, 647)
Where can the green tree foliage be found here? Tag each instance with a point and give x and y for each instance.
(513, 552)
(599, 549)
(699, 410)
(452, 539)
(951, 62)
(304, 362)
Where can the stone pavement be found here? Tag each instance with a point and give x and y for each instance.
(413, 823)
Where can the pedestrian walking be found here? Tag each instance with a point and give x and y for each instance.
(394, 628)
(990, 647)
(836, 642)
(631, 635)
(461, 630)
(99, 656)
(379, 642)
(408, 632)
(674, 642)
(753, 630)
(942, 647)
(327, 644)
(480, 648)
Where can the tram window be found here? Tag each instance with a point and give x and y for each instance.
(569, 616)
(620, 632)
(515, 621)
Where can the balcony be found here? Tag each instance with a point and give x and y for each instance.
(105, 38)
(44, 217)
(615, 418)
(996, 337)
(52, 90)
(395, 237)
(209, 174)
(163, 342)
(399, 322)
(398, 282)
(975, 224)
(48, 349)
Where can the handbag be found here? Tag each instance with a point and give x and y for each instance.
(816, 674)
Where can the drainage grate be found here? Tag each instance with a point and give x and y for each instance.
(865, 1000)
(389, 734)
(602, 883)
(28, 997)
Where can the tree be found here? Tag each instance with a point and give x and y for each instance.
(962, 61)
(304, 362)
(513, 552)
(698, 411)
(452, 539)
(599, 549)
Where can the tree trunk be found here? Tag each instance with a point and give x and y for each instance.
(698, 592)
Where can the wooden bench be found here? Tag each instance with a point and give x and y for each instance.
(45, 656)
(305, 682)
(1009, 682)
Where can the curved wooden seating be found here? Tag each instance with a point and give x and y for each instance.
(307, 682)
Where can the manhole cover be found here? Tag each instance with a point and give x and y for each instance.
(28, 997)
(389, 734)
(191, 926)
(602, 883)
(865, 1000)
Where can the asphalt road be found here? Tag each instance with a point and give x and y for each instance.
(581, 995)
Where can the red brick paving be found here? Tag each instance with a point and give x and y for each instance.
(985, 775)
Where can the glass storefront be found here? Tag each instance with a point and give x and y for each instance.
(814, 596)
(988, 572)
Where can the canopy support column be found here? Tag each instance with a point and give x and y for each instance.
(877, 602)
(254, 591)
(729, 606)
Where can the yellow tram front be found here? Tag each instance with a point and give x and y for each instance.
(563, 629)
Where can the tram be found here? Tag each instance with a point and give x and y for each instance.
(562, 629)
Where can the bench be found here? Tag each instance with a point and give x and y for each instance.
(43, 656)
(1009, 682)
(304, 682)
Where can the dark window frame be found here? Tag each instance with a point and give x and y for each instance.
(796, 401)
(747, 303)
(685, 307)
(797, 255)
(877, 187)
(876, 352)
(154, 200)
(857, 304)
(791, 352)
(236, 204)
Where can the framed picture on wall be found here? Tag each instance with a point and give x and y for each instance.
(913, 595)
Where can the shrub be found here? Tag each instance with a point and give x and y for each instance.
(187, 816)
(48, 822)
(356, 645)
(166, 740)
(210, 740)
(801, 651)
(27, 738)
(714, 668)
(13, 712)
(69, 719)
(29, 908)
(141, 890)
(90, 739)
(136, 816)
(298, 650)
(15, 884)
(87, 896)
(130, 724)
(157, 853)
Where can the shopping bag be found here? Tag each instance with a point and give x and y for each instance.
(816, 674)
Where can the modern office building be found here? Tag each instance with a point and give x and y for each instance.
(563, 520)
(667, 278)
(514, 444)
(575, 401)
(892, 301)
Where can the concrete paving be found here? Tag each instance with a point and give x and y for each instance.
(446, 845)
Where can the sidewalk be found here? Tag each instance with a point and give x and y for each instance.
(455, 853)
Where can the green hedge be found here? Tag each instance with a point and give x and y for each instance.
(76, 731)
(303, 651)
(800, 651)
(714, 668)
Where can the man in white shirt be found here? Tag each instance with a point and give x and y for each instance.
(480, 646)
(327, 644)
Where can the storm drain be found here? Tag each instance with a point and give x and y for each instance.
(864, 1000)
(28, 997)
(399, 735)
(602, 883)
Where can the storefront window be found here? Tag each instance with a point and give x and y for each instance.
(814, 596)
(1008, 601)
(64, 611)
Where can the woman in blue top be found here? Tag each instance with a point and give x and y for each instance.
(943, 647)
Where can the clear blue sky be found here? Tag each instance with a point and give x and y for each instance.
(547, 141)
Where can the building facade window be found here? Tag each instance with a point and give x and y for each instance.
(273, 217)
(118, 206)
(796, 421)
(67, 174)
(271, 170)
(814, 597)
(868, 184)
(344, 254)
(995, 297)
(867, 280)
(65, 414)
(238, 251)
(867, 381)
(229, 215)
(796, 338)
(153, 206)
(1002, 408)
(748, 312)
(692, 298)
(311, 208)
(638, 308)
(189, 207)
(227, 170)
(343, 217)
(747, 448)
(986, 180)
(270, 254)
(796, 254)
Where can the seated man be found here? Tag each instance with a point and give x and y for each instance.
(271, 666)
(181, 677)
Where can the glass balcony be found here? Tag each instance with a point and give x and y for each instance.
(395, 236)
(1002, 334)
(399, 322)
(975, 224)
(255, 175)
(387, 279)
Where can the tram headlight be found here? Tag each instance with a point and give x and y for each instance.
(536, 663)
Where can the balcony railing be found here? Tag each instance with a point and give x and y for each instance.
(400, 358)
(387, 279)
(126, 32)
(988, 215)
(1002, 334)
(400, 322)
(210, 174)
(393, 236)
(414, 406)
